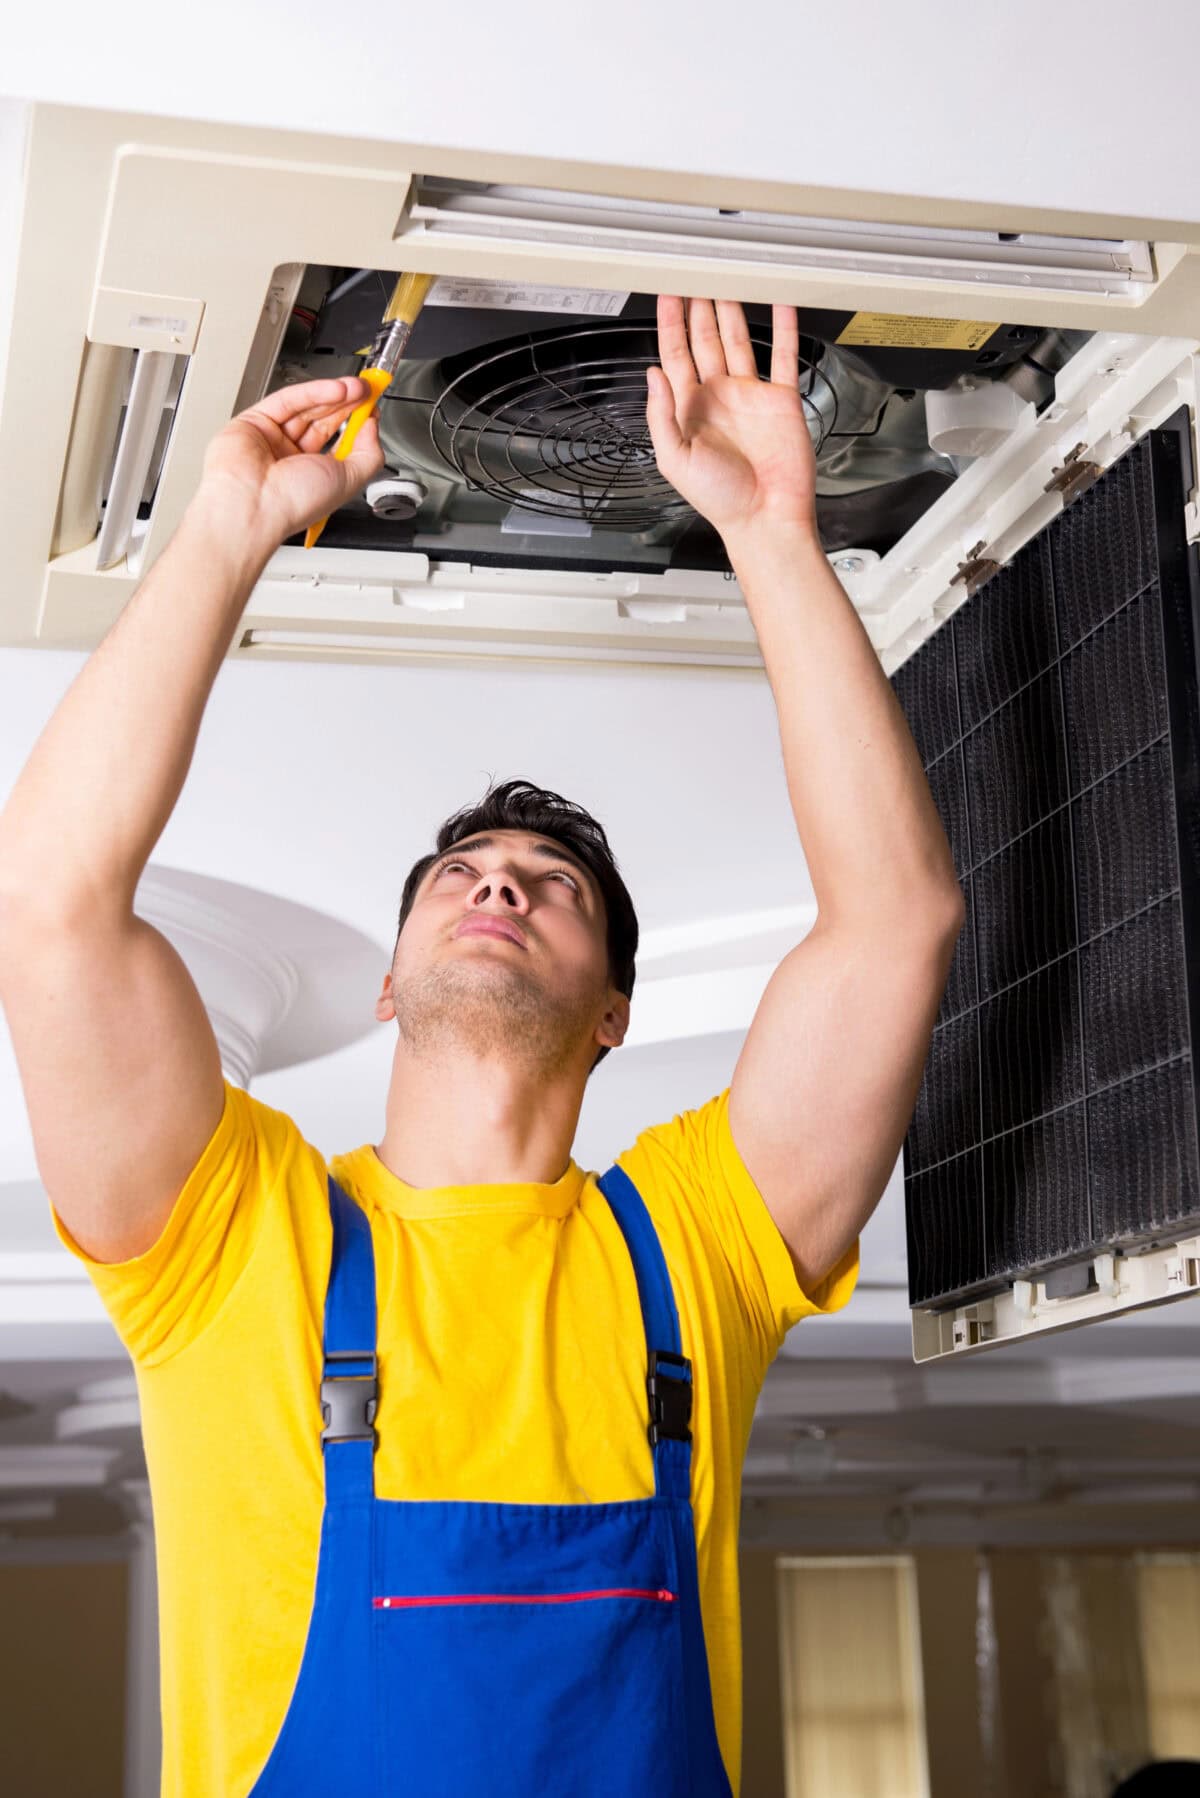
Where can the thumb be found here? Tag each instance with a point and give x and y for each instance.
(661, 422)
(366, 458)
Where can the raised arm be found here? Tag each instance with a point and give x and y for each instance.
(829, 1073)
(117, 1059)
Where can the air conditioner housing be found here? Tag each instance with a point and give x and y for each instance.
(166, 268)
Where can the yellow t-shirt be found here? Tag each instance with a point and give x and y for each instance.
(511, 1364)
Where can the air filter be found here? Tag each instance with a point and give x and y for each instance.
(1057, 717)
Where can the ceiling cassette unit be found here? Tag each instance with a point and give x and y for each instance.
(169, 273)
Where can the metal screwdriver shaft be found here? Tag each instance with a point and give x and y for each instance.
(383, 360)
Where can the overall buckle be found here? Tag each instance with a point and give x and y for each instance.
(349, 1400)
(670, 1398)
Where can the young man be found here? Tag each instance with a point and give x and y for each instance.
(445, 1450)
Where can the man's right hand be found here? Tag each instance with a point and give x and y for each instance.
(268, 458)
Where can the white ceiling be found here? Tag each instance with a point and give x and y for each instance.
(930, 98)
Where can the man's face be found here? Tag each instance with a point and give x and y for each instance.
(504, 953)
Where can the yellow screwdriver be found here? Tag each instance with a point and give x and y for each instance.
(383, 359)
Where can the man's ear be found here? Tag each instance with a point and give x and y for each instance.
(385, 1005)
(610, 1032)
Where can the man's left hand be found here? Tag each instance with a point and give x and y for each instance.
(736, 447)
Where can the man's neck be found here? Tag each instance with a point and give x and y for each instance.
(454, 1119)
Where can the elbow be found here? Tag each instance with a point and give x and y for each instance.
(949, 917)
(934, 923)
(943, 901)
(10, 912)
(922, 915)
(28, 921)
(943, 912)
(955, 912)
(17, 915)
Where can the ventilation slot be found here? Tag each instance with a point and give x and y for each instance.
(441, 206)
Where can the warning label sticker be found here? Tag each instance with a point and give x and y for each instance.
(887, 330)
(516, 296)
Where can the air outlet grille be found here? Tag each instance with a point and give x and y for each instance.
(555, 423)
(1057, 717)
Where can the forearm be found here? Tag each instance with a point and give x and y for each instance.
(874, 843)
(103, 778)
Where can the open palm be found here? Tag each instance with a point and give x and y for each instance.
(737, 448)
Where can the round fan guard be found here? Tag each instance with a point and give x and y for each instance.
(556, 424)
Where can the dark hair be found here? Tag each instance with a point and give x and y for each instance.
(519, 805)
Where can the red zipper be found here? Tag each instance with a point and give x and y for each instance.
(402, 1604)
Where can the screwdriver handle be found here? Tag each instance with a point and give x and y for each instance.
(378, 380)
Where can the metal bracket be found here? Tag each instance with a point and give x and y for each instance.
(975, 570)
(1074, 476)
(973, 1325)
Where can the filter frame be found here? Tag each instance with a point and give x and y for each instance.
(976, 1221)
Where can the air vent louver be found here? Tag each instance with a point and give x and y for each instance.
(1057, 717)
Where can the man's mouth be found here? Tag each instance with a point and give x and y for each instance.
(491, 927)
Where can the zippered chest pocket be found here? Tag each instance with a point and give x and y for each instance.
(531, 1650)
(508, 1684)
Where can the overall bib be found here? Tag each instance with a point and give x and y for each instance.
(478, 1650)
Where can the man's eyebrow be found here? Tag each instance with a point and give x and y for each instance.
(549, 852)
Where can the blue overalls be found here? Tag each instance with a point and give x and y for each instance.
(478, 1650)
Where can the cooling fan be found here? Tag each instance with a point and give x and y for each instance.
(554, 422)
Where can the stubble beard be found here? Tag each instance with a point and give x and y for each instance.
(479, 1004)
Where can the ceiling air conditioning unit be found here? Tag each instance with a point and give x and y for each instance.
(171, 272)
(969, 375)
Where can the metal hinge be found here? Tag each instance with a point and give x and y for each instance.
(975, 570)
(1074, 476)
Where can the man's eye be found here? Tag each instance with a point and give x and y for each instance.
(560, 873)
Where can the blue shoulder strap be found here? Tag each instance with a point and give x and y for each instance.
(349, 1382)
(669, 1372)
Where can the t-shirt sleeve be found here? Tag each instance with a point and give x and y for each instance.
(694, 1165)
(162, 1300)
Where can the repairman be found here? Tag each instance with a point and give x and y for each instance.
(445, 1436)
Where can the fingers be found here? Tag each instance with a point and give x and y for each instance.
(716, 341)
(785, 346)
(707, 352)
(739, 352)
(293, 408)
(312, 434)
(673, 351)
(366, 458)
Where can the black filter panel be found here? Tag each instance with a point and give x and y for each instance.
(1058, 717)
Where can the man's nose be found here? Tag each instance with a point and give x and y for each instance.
(503, 886)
